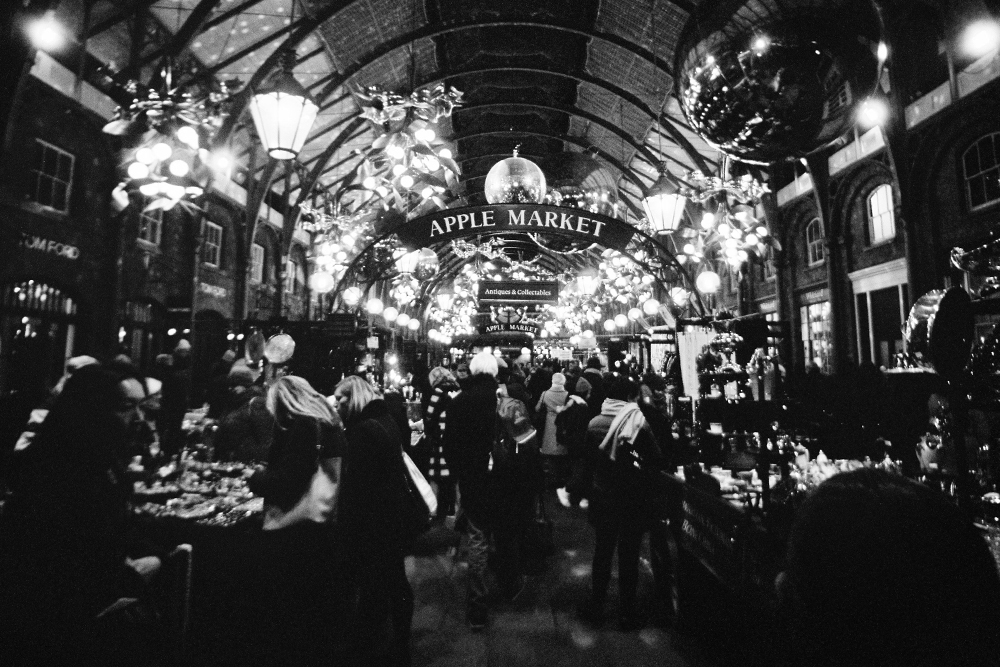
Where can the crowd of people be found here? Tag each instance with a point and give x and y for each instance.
(872, 559)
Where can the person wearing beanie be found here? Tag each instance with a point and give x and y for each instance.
(553, 452)
(469, 434)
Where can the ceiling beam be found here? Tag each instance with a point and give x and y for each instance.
(111, 22)
(178, 42)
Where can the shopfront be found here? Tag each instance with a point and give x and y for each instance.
(881, 302)
(39, 325)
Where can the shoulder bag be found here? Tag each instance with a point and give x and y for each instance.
(319, 503)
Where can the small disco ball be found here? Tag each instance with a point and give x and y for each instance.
(766, 87)
(515, 180)
(427, 264)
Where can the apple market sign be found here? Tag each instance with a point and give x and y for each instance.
(456, 223)
(529, 329)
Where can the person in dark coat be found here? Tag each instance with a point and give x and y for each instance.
(598, 391)
(299, 559)
(571, 424)
(370, 526)
(176, 398)
(246, 429)
(218, 386)
(64, 530)
(469, 435)
(621, 507)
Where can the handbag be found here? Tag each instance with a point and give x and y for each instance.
(420, 484)
(318, 504)
(418, 502)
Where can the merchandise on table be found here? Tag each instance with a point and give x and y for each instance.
(208, 493)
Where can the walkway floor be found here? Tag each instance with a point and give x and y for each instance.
(541, 627)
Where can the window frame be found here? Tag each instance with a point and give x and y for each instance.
(992, 171)
(207, 243)
(889, 213)
(291, 272)
(156, 218)
(257, 268)
(815, 247)
(52, 178)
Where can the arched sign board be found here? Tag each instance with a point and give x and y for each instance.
(456, 223)
(532, 330)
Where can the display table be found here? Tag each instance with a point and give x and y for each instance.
(208, 506)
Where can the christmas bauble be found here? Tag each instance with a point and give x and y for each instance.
(515, 180)
(771, 86)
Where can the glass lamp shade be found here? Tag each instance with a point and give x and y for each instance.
(664, 206)
(283, 113)
(445, 297)
(588, 283)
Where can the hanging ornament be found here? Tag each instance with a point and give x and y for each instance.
(515, 180)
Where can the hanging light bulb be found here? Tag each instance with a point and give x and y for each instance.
(651, 306)
(609, 325)
(352, 296)
(403, 319)
(621, 321)
(390, 314)
(634, 314)
(708, 282)
(664, 204)
(374, 306)
(414, 324)
(283, 112)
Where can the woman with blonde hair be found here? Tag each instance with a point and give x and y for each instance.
(370, 524)
(300, 583)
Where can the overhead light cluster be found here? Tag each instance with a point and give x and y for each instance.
(410, 166)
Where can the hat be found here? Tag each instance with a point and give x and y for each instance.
(439, 374)
(558, 380)
(76, 363)
(582, 386)
(240, 376)
(183, 346)
(594, 362)
(164, 360)
(229, 356)
(484, 363)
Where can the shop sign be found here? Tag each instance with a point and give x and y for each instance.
(214, 290)
(518, 292)
(529, 329)
(49, 246)
(456, 223)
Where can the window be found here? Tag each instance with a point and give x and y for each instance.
(982, 171)
(151, 226)
(257, 263)
(816, 334)
(53, 176)
(815, 248)
(767, 264)
(211, 246)
(881, 216)
(294, 277)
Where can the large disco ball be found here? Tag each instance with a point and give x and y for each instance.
(773, 86)
(515, 181)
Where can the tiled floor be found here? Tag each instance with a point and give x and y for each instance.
(540, 628)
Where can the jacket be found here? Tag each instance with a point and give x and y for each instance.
(468, 441)
(551, 400)
(372, 483)
(292, 460)
(245, 434)
(629, 481)
(571, 423)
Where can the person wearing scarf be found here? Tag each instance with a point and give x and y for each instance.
(621, 508)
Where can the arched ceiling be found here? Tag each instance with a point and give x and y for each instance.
(555, 76)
